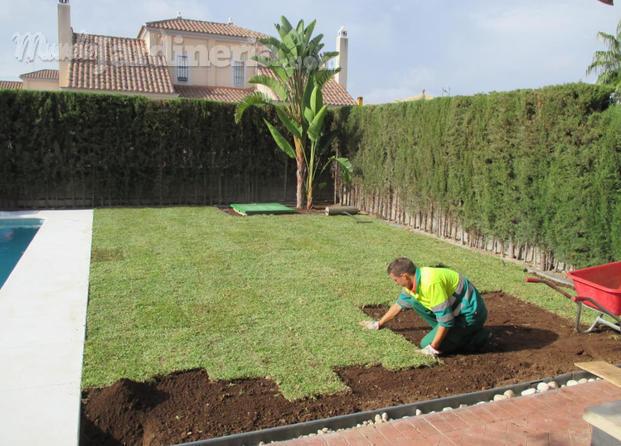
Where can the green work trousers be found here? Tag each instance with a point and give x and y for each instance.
(464, 339)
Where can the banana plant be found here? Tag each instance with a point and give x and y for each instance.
(315, 114)
(295, 67)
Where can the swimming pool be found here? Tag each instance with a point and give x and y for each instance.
(15, 236)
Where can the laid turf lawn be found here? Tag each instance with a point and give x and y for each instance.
(263, 296)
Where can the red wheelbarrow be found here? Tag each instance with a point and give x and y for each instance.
(597, 288)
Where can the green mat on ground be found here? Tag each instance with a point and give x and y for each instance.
(261, 208)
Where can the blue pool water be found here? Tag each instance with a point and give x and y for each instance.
(15, 236)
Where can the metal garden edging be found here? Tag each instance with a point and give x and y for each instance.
(293, 431)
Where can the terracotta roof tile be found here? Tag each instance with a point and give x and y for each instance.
(117, 64)
(201, 26)
(219, 94)
(41, 74)
(264, 71)
(10, 85)
(333, 92)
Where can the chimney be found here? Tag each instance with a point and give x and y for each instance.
(341, 59)
(65, 42)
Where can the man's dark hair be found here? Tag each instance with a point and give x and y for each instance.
(402, 265)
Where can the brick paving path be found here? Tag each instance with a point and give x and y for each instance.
(550, 418)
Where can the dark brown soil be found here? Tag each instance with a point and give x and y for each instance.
(230, 211)
(528, 343)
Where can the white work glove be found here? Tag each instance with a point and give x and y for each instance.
(370, 325)
(430, 351)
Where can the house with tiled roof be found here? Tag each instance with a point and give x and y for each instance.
(168, 59)
(40, 80)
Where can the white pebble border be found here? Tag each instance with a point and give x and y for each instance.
(540, 387)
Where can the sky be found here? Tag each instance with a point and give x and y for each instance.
(397, 48)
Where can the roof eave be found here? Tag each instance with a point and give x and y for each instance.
(141, 31)
(205, 34)
(120, 92)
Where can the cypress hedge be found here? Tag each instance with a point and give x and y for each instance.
(530, 167)
(62, 148)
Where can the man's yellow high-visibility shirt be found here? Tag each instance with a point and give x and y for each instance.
(451, 298)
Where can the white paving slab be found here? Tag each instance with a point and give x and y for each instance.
(42, 326)
(27, 420)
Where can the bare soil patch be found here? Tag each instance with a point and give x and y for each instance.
(527, 343)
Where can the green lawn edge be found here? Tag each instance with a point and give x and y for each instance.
(183, 288)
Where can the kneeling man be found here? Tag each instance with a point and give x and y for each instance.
(446, 300)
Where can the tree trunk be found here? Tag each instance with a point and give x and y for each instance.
(299, 174)
(337, 182)
(309, 193)
(309, 197)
